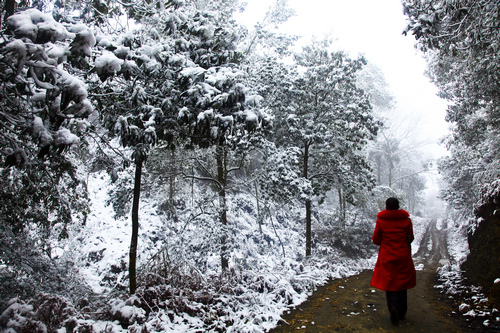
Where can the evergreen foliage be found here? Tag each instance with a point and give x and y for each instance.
(461, 41)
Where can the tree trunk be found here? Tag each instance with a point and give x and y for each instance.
(135, 226)
(390, 173)
(342, 208)
(379, 172)
(259, 215)
(221, 156)
(308, 203)
(192, 187)
(171, 188)
(308, 227)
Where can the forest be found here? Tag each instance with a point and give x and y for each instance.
(165, 168)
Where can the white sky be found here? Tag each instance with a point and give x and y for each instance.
(373, 28)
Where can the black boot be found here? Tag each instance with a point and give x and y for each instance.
(394, 316)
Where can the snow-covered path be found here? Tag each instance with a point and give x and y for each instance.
(433, 248)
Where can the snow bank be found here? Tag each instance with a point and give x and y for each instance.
(469, 299)
(419, 227)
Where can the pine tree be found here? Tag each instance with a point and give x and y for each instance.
(328, 117)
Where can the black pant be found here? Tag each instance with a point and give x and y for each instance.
(397, 302)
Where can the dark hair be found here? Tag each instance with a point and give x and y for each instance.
(392, 204)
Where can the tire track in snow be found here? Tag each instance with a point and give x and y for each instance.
(433, 249)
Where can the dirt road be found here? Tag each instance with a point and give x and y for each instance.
(351, 305)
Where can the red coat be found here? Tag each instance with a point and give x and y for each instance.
(394, 269)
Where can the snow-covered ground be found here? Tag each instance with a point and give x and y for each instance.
(181, 288)
(268, 272)
(470, 300)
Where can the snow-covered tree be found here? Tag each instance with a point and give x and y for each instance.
(461, 42)
(264, 39)
(461, 171)
(328, 117)
(186, 89)
(44, 106)
(395, 154)
(44, 109)
(372, 80)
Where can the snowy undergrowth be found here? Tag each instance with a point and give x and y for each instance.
(470, 301)
(181, 287)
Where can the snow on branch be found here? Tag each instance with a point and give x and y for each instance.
(37, 26)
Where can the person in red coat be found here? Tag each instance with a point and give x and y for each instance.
(394, 271)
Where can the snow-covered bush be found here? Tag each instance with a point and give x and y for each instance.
(26, 270)
(127, 312)
(45, 313)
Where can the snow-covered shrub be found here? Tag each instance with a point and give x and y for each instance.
(27, 271)
(350, 234)
(178, 273)
(127, 312)
(49, 313)
(238, 300)
(121, 194)
(45, 313)
(17, 318)
(41, 190)
(107, 65)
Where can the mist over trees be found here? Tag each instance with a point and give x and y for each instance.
(397, 157)
(214, 123)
